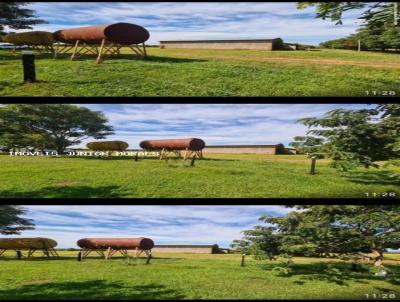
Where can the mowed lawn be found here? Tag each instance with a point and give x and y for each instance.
(189, 276)
(219, 176)
(188, 72)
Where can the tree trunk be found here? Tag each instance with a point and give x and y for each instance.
(378, 259)
(60, 150)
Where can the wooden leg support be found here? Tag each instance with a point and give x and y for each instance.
(108, 253)
(99, 57)
(75, 50)
(148, 253)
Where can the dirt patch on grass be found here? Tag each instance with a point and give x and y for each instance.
(295, 60)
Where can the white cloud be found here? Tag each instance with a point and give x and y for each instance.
(164, 224)
(212, 20)
(215, 123)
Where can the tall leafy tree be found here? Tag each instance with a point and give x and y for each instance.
(335, 230)
(50, 125)
(334, 10)
(11, 222)
(15, 16)
(358, 137)
(262, 241)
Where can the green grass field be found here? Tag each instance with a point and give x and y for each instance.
(186, 72)
(189, 276)
(220, 176)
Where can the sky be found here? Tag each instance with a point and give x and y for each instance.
(201, 20)
(164, 224)
(216, 124)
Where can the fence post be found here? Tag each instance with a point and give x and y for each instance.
(28, 62)
(313, 162)
(80, 256)
(148, 258)
(19, 255)
(243, 256)
(192, 162)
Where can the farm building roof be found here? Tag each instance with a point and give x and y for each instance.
(186, 245)
(244, 146)
(224, 41)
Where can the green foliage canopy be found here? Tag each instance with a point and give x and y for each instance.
(329, 231)
(11, 222)
(13, 15)
(358, 137)
(49, 125)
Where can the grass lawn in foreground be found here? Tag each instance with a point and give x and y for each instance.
(219, 176)
(188, 276)
(190, 72)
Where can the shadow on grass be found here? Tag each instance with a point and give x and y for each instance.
(337, 273)
(172, 60)
(96, 289)
(374, 177)
(37, 258)
(67, 192)
(18, 57)
(133, 57)
(219, 159)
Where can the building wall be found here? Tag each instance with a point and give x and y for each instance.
(191, 250)
(252, 44)
(240, 150)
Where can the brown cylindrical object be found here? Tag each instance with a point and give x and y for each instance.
(108, 146)
(116, 243)
(31, 38)
(118, 33)
(27, 243)
(192, 144)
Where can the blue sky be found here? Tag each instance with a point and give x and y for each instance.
(164, 224)
(212, 20)
(217, 124)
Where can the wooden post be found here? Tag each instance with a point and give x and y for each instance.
(108, 253)
(359, 44)
(80, 256)
(144, 50)
(19, 255)
(75, 50)
(100, 51)
(148, 257)
(28, 62)
(193, 160)
(162, 153)
(136, 157)
(313, 162)
(243, 256)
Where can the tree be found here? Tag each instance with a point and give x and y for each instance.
(336, 230)
(260, 241)
(358, 137)
(335, 10)
(10, 221)
(307, 144)
(50, 125)
(14, 16)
